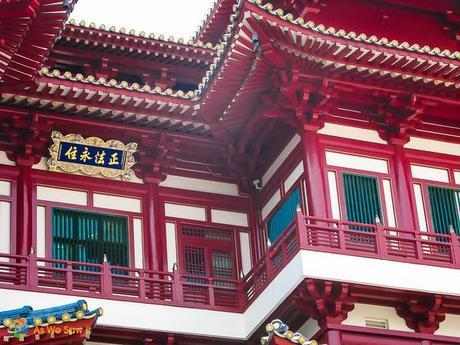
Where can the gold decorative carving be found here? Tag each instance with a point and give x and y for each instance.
(89, 161)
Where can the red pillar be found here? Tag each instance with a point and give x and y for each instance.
(314, 172)
(24, 211)
(333, 337)
(404, 203)
(151, 227)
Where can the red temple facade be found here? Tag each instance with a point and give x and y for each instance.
(296, 160)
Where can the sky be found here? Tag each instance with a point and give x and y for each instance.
(178, 18)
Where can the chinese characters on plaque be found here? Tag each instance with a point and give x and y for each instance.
(73, 153)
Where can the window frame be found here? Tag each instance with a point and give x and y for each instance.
(130, 257)
(284, 197)
(210, 243)
(52, 204)
(338, 170)
(425, 183)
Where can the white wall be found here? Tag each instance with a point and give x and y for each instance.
(450, 326)
(5, 160)
(245, 252)
(279, 160)
(5, 227)
(433, 146)
(171, 245)
(200, 185)
(357, 317)
(349, 132)
(185, 211)
(66, 196)
(138, 237)
(309, 328)
(229, 217)
(41, 231)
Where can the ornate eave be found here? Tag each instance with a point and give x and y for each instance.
(106, 36)
(278, 333)
(29, 326)
(29, 30)
(216, 20)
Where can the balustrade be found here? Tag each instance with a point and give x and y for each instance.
(178, 289)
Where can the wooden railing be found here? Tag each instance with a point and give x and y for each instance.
(116, 282)
(378, 241)
(176, 289)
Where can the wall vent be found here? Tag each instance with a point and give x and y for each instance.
(376, 323)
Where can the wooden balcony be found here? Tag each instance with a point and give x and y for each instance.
(177, 289)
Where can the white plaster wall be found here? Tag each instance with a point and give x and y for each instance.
(229, 217)
(293, 176)
(334, 194)
(138, 243)
(357, 317)
(5, 188)
(421, 215)
(200, 185)
(185, 212)
(309, 328)
(284, 154)
(41, 231)
(115, 202)
(171, 245)
(356, 162)
(388, 197)
(66, 196)
(42, 165)
(271, 203)
(245, 252)
(450, 326)
(4, 159)
(457, 177)
(351, 133)
(429, 173)
(366, 271)
(433, 146)
(5, 228)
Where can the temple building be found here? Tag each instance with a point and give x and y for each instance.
(289, 175)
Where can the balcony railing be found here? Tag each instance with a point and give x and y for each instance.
(177, 289)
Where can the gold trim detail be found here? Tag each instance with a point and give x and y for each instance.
(55, 164)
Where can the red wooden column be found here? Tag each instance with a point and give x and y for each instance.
(153, 251)
(314, 173)
(24, 211)
(404, 203)
(333, 337)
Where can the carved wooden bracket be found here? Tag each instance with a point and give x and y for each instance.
(399, 116)
(423, 314)
(156, 153)
(27, 136)
(325, 301)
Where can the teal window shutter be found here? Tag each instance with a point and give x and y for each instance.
(445, 209)
(284, 215)
(362, 201)
(86, 237)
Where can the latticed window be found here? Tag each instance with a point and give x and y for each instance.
(445, 209)
(208, 252)
(362, 201)
(86, 237)
(284, 215)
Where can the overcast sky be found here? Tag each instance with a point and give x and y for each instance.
(179, 18)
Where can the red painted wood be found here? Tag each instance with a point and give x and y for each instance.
(404, 205)
(24, 211)
(316, 197)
